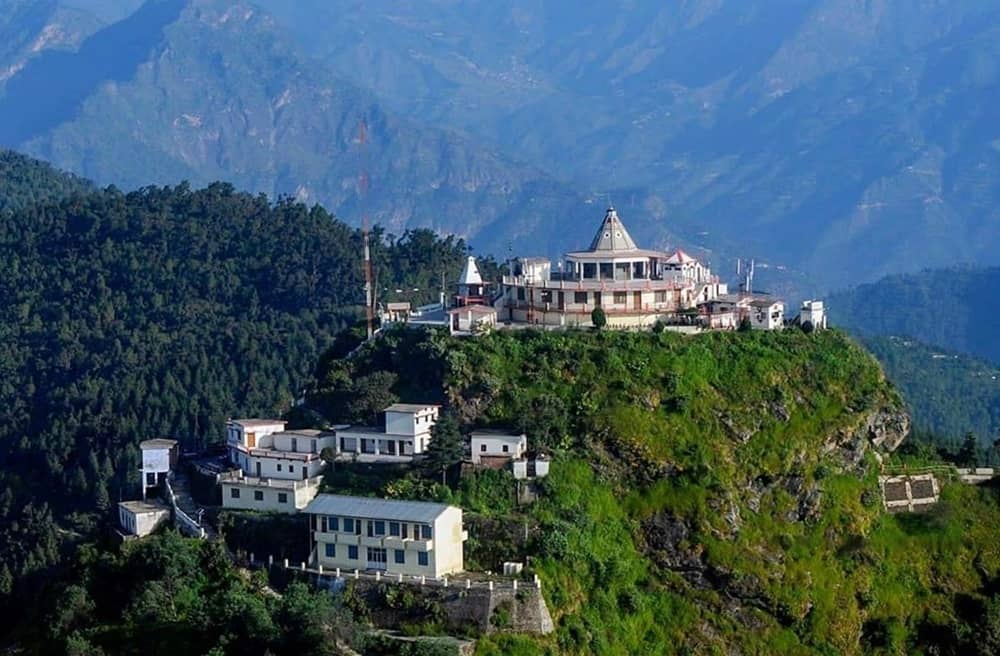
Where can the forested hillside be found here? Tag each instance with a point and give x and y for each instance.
(160, 313)
(709, 494)
(948, 394)
(948, 308)
(24, 181)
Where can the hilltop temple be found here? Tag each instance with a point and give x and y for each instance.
(635, 287)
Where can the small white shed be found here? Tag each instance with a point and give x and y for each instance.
(140, 518)
(497, 444)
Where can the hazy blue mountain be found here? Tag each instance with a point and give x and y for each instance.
(949, 308)
(839, 138)
(210, 89)
(835, 140)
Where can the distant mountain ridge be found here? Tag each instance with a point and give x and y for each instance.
(948, 308)
(840, 140)
(202, 90)
(834, 142)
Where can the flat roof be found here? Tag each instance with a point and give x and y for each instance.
(371, 508)
(410, 407)
(506, 436)
(303, 432)
(250, 423)
(255, 481)
(138, 507)
(474, 309)
(362, 430)
(158, 443)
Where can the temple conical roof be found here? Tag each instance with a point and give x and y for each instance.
(470, 274)
(612, 236)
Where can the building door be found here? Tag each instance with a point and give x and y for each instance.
(376, 558)
(597, 299)
(258, 469)
(305, 472)
(251, 440)
(637, 299)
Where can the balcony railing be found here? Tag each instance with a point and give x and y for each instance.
(576, 284)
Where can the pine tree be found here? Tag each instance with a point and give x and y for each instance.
(447, 445)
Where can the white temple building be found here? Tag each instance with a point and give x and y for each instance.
(635, 287)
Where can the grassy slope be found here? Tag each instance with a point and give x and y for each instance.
(648, 427)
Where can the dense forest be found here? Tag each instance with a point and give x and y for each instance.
(168, 595)
(24, 181)
(948, 395)
(947, 308)
(160, 313)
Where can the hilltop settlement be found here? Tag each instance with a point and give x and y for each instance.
(268, 467)
(630, 287)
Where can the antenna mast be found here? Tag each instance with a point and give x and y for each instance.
(365, 230)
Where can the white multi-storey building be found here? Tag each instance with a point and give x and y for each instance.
(767, 314)
(814, 313)
(407, 433)
(159, 456)
(279, 470)
(412, 538)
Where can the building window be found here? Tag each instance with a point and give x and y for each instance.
(422, 558)
(506, 448)
(282, 497)
(258, 495)
(150, 479)
(580, 298)
(425, 532)
(621, 298)
(406, 531)
(279, 466)
(322, 525)
(331, 550)
(520, 293)
(376, 557)
(291, 468)
(333, 523)
(295, 447)
(482, 448)
(348, 525)
(394, 529)
(380, 527)
(234, 492)
(352, 552)
(400, 557)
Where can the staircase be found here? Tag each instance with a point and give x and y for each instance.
(187, 513)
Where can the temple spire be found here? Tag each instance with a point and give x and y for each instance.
(612, 235)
